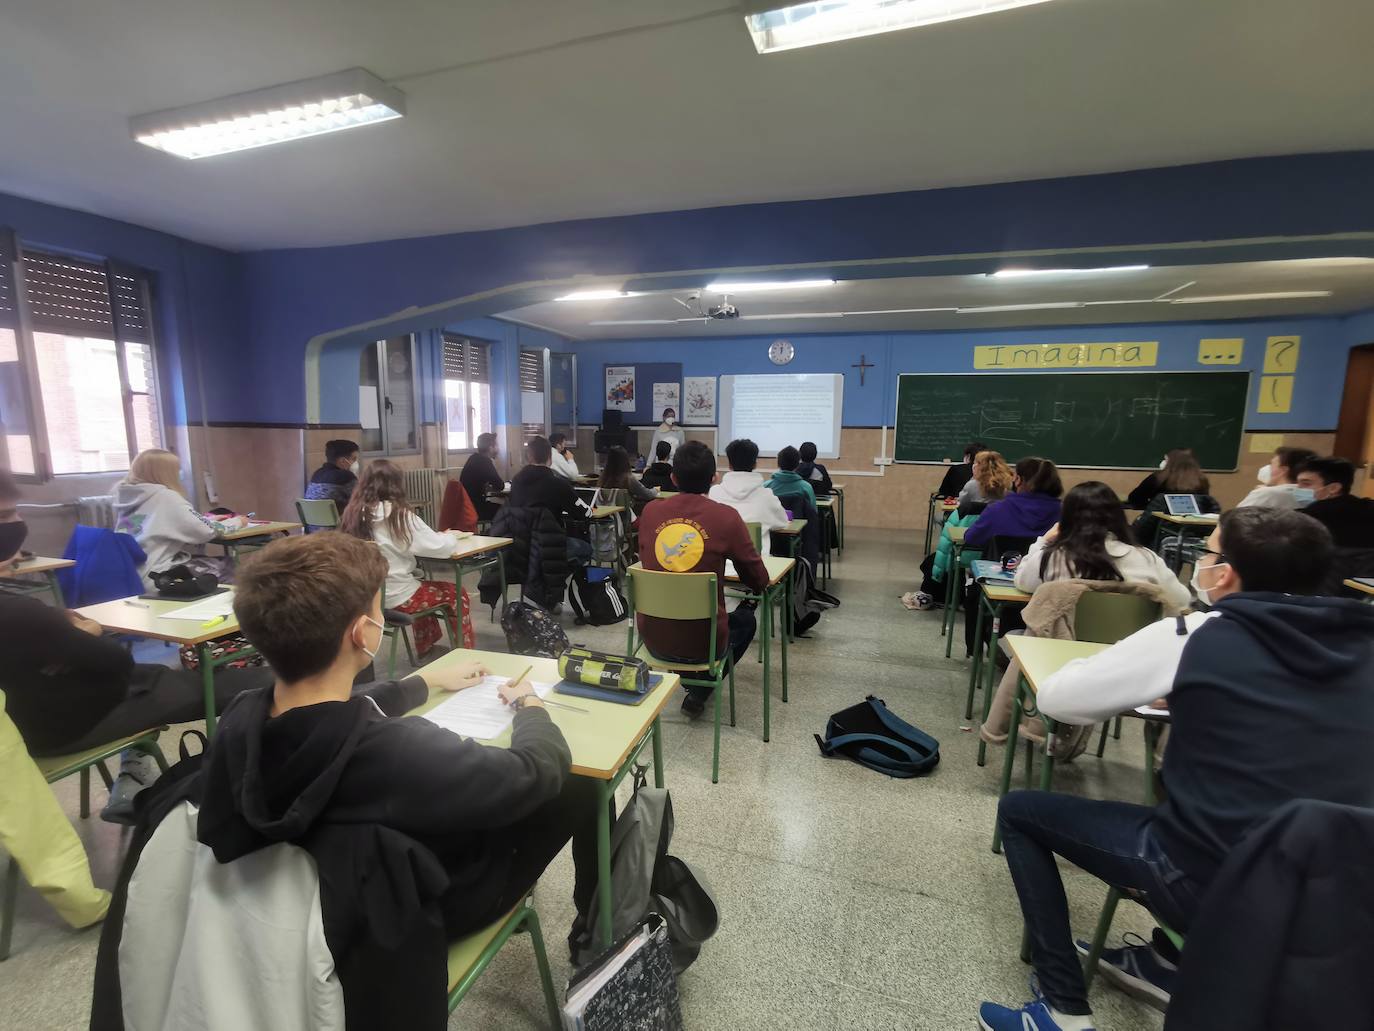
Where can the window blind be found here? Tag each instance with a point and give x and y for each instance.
(67, 295)
(467, 359)
(531, 372)
(130, 313)
(9, 313)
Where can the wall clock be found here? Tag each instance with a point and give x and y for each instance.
(780, 352)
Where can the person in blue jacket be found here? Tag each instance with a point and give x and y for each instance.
(1028, 511)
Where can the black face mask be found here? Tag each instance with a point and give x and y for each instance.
(12, 538)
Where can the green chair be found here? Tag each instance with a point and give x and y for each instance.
(58, 768)
(682, 596)
(1106, 618)
(756, 535)
(470, 956)
(396, 623)
(317, 514)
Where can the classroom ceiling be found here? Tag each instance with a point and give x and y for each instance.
(543, 110)
(929, 302)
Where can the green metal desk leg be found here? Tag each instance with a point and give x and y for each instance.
(1009, 760)
(930, 523)
(603, 858)
(782, 601)
(1047, 767)
(991, 665)
(767, 628)
(658, 753)
(956, 575)
(207, 683)
(977, 667)
(840, 524)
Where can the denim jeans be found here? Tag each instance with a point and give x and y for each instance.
(1115, 841)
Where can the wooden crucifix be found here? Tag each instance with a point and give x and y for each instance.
(863, 365)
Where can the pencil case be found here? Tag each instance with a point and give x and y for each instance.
(604, 670)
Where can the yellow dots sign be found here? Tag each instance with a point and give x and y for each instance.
(1220, 352)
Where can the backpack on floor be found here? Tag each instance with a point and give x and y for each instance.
(870, 735)
(595, 597)
(532, 631)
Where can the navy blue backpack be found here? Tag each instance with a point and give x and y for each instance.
(870, 735)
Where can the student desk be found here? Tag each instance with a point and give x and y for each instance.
(37, 566)
(472, 555)
(837, 489)
(1365, 587)
(1194, 527)
(605, 741)
(230, 541)
(145, 618)
(778, 590)
(946, 506)
(825, 507)
(1040, 658)
(949, 617)
(791, 536)
(993, 597)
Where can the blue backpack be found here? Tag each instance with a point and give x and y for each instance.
(870, 735)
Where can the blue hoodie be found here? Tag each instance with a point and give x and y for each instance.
(1273, 700)
(1016, 515)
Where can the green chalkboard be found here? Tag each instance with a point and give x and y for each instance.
(1111, 420)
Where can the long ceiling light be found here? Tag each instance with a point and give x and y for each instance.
(279, 114)
(988, 308)
(723, 286)
(1014, 273)
(810, 24)
(1279, 295)
(595, 295)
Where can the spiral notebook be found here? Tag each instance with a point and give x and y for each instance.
(630, 987)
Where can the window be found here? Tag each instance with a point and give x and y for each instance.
(467, 390)
(386, 398)
(532, 412)
(78, 385)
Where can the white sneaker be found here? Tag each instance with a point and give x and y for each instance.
(136, 771)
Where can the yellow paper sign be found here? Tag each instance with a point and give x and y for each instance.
(1281, 356)
(1065, 356)
(1265, 443)
(1220, 352)
(1276, 394)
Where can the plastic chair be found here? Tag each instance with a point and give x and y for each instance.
(1106, 617)
(756, 535)
(317, 514)
(469, 957)
(58, 768)
(682, 596)
(396, 623)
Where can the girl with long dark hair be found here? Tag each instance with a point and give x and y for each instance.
(1181, 475)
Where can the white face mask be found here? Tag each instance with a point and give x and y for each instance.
(668, 420)
(1266, 473)
(1204, 594)
(355, 467)
(371, 653)
(1162, 463)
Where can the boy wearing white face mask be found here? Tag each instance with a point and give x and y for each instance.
(334, 481)
(1270, 663)
(1278, 481)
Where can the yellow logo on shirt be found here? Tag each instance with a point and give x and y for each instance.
(679, 546)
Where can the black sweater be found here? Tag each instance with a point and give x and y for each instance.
(538, 486)
(1350, 519)
(1272, 701)
(59, 681)
(479, 476)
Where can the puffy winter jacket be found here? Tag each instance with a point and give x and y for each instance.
(944, 547)
(538, 558)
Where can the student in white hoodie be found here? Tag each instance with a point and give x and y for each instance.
(1279, 481)
(744, 490)
(379, 512)
(150, 505)
(564, 461)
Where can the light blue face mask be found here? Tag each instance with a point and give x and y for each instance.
(1304, 496)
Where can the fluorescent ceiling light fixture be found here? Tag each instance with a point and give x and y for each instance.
(595, 295)
(1012, 273)
(829, 21)
(796, 315)
(279, 114)
(1019, 307)
(1280, 295)
(723, 286)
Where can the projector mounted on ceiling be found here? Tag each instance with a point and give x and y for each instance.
(724, 310)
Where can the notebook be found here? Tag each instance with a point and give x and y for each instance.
(631, 987)
(478, 711)
(986, 569)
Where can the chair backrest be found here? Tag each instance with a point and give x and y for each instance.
(679, 596)
(755, 535)
(317, 514)
(1105, 617)
(999, 546)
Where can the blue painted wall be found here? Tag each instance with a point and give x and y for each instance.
(1316, 398)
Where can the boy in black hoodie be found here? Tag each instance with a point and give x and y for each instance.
(1270, 697)
(308, 753)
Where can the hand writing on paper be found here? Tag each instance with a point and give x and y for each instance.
(455, 678)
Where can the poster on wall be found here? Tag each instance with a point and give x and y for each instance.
(620, 387)
(700, 406)
(667, 395)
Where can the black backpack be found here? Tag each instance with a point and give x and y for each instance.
(532, 631)
(870, 735)
(594, 594)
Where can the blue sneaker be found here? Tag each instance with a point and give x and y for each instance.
(1033, 1016)
(1137, 969)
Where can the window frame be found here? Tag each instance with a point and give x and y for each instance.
(383, 396)
(32, 388)
(465, 341)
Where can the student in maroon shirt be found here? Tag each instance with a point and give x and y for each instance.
(690, 533)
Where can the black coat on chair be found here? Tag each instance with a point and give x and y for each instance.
(538, 558)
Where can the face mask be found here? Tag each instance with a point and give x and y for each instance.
(1266, 473)
(1204, 594)
(1304, 496)
(12, 537)
(668, 420)
(371, 654)
(355, 467)
(1162, 463)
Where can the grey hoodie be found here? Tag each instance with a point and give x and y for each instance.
(163, 522)
(747, 494)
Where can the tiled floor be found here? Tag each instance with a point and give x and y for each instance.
(848, 900)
